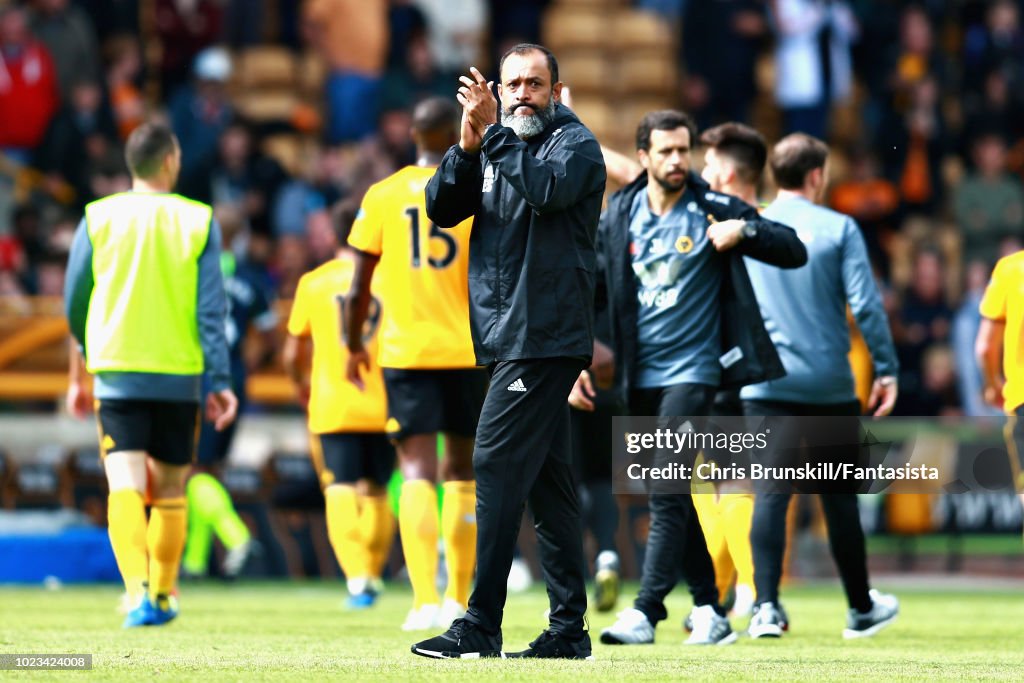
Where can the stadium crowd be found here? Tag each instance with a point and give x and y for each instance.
(926, 133)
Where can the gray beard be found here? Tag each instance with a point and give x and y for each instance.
(526, 127)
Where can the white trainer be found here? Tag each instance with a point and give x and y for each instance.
(631, 628)
(422, 619)
(709, 628)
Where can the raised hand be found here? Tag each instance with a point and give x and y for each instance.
(479, 107)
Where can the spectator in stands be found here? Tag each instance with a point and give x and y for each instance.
(812, 60)
(989, 202)
(69, 35)
(912, 143)
(108, 174)
(406, 23)
(456, 32)
(965, 330)
(112, 17)
(721, 41)
(50, 274)
(239, 176)
(352, 36)
(879, 26)
(938, 393)
(201, 111)
(124, 68)
(996, 44)
(314, 188)
(79, 136)
(994, 110)
(915, 59)
(29, 244)
(924, 319)
(184, 28)
(417, 79)
(870, 199)
(28, 86)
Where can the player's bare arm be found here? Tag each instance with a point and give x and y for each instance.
(357, 306)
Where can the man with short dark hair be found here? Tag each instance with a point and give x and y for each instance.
(433, 384)
(145, 302)
(734, 160)
(682, 328)
(805, 309)
(534, 184)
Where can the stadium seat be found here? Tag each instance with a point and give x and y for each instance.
(596, 113)
(265, 67)
(647, 73)
(585, 71)
(636, 30)
(263, 107)
(575, 27)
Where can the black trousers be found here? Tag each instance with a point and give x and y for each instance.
(523, 453)
(842, 517)
(675, 539)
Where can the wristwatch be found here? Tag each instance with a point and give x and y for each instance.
(886, 381)
(749, 230)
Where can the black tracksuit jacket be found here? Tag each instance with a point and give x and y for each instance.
(532, 255)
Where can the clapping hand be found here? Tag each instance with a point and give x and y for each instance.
(479, 109)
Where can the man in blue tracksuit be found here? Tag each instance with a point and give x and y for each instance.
(804, 310)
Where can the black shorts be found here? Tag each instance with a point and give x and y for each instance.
(347, 457)
(430, 401)
(165, 430)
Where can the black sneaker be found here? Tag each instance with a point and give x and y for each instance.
(464, 640)
(556, 646)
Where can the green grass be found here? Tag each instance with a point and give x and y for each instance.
(297, 632)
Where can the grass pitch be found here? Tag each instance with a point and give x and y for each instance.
(298, 632)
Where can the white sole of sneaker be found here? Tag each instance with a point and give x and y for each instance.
(767, 631)
(728, 640)
(434, 654)
(850, 634)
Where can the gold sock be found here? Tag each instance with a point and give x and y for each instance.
(165, 539)
(709, 513)
(343, 531)
(737, 514)
(458, 525)
(417, 521)
(377, 531)
(126, 519)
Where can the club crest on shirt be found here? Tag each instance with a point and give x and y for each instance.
(684, 244)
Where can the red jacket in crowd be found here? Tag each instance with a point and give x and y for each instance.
(28, 95)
